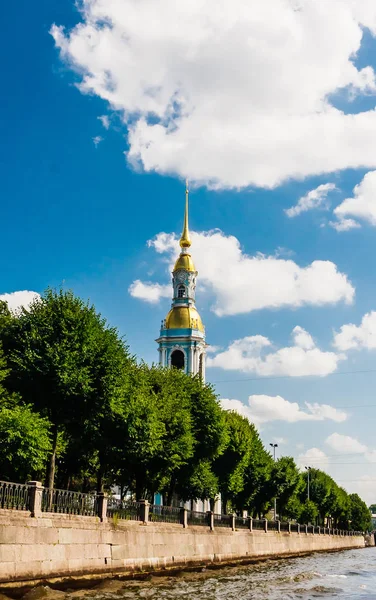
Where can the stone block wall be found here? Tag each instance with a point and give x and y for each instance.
(57, 547)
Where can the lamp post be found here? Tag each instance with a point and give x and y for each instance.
(274, 446)
(308, 471)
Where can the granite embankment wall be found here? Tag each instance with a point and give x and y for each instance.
(57, 547)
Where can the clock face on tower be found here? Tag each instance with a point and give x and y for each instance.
(180, 276)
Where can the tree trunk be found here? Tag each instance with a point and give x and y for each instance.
(50, 475)
(224, 503)
(139, 489)
(99, 480)
(171, 490)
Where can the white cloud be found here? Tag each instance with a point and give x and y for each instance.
(344, 224)
(240, 283)
(280, 441)
(263, 409)
(365, 486)
(362, 205)
(345, 444)
(104, 119)
(316, 198)
(345, 469)
(230, 94)
(17, 299)
(210, 349)
(150, 292)
(97, 140)
(355, 337)
(254, 354)
(314, 457)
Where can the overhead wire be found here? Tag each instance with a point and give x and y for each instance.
(272, 377)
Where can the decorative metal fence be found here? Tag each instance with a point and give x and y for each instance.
(222, 520)
(129, 510)
(242, 522)
(164, 514)
(258, 524)
(17, 496)
(71, 503)
(195, 517)
(14, 496)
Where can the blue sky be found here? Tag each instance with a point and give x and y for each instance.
(260, 109)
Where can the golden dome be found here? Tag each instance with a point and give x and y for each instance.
(185, 262)
(184, 317)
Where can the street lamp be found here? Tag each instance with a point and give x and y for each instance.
(308, 471)
(274, 446)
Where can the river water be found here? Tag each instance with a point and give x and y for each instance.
(348, 574)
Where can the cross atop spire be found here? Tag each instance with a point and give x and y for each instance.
(185, 240)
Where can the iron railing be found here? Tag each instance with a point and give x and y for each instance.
(242, 522)
(164, 514)
(195, 517)
(129, 510)
(17, 496)
(14, 496)
(222, 520)
(258, 524)
(70, 503)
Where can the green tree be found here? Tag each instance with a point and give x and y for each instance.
(210, 437)
(55, 350)
(231, 465)
(256, 496)
(24, 442)
(360, 515)
(309, 513)
(285, 480)
(24, 437)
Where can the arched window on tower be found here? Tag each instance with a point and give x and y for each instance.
(177, 359)
(181, 291)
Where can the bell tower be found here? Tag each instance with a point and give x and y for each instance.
(182, 336)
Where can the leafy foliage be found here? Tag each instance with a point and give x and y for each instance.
(79, 410)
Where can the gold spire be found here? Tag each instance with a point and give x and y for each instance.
(185, 240)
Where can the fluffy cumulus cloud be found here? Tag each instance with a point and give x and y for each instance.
(362, 205)
(150, 292)
(255, 354)
(354, 337)
(263, 409)
(316, 198)
(314, 457)
(345, 444)
(16, 300)
(240, 283)
(342, 224)
(230, 94)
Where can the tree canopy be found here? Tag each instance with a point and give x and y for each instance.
(77, 409)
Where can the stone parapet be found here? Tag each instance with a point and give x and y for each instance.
(50, 546)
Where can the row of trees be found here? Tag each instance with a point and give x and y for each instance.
(79, 411)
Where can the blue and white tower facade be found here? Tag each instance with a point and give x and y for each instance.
(182, 336)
